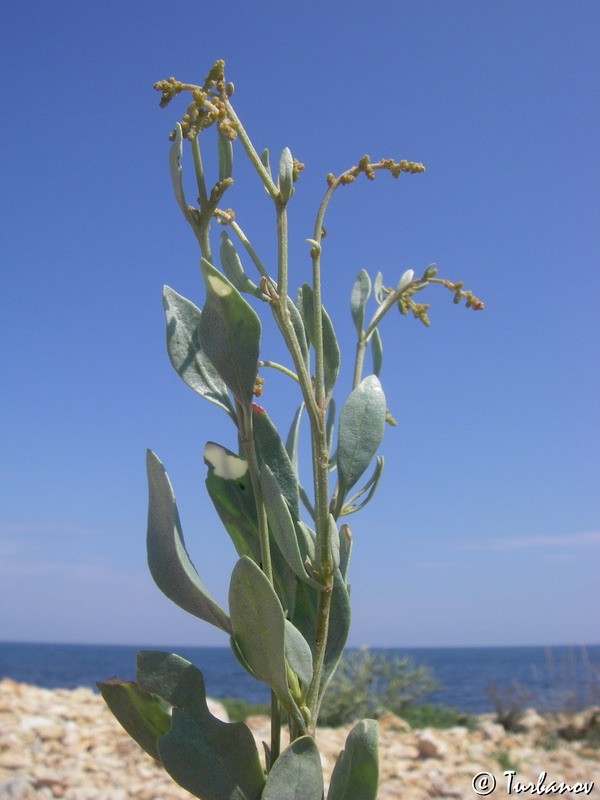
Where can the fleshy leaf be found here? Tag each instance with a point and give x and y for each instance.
(229, 333)
(282, 525)
(335, 541)
(168, 559)
(358, 298)
(331, 350)
(356, 772)
(360, 431)
(305, 617)
(230, 488)
(351, 506)
(378, 288)
(225, 153)
(405, 279)
(298, 325)
(339, 625)
(232, 267)
(297, 773)
(175, 153)
(264, 157)
(345, 549)
(138, 711)
(259, 625)
(185, 354)
(376, 352)
(329, 423)
(291, 443)
(298, 654)
(271, 450)
(209, 758)
(286, 165)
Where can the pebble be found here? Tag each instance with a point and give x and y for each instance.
(66, 744)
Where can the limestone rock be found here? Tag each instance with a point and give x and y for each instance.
(491, 730)
(390, 721)
(16, 789)
(431, 745)
(531, 720)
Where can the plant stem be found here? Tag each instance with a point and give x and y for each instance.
(279, 367)
(282, 254)
(275, 728)
(251, 152)
(227, 219)
(314, 692)
(361, 346)
(199, 170)
(245, 415)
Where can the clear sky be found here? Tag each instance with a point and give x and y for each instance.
(485, 530)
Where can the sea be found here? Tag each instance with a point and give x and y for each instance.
(547, 678)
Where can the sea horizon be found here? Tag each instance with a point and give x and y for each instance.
(154, 645)
(547, 677)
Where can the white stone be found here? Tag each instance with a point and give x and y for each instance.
(16, 789)
(431, 745)
(491, 730)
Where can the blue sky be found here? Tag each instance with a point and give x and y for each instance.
(485, 529)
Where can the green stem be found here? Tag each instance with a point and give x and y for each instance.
(226, 218)
(282, 253)
(204, 239)
(361, 346)
(251, 152)
(275, 728)
(279, 367)
(199, 170)
(314, 692)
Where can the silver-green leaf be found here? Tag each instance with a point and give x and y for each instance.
(356, 772)
(360, 431)
(291, 443)
(210, 758)
(258, 625)
(229, 333)
(331, 350)
(175, 153)
(378, 292)
(358, 299)
(298, 654)
(351, 506)
(376, 352)
(233, 269)
(168, 559)
(286, 166)
(282, 525)
(185, 353)
(297, 773)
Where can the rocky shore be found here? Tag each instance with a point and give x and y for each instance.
(65, 744)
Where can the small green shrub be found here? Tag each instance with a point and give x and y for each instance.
(509, 704)
(426, 715)
(592, 737)
(504, 758)
(366, 684)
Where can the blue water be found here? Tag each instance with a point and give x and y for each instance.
(551, 677)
